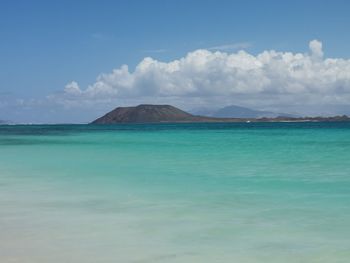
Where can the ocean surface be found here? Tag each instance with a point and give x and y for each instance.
(239, 192)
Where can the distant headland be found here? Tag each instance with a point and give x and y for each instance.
(148, 113)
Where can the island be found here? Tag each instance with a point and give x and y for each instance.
(149, 113)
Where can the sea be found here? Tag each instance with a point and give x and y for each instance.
(194, 192)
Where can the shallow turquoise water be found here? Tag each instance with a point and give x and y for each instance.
(274, 192)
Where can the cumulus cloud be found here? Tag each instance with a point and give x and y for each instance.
(316, 48)
(268, 78)
(72, 88)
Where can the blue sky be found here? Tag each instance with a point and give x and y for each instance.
(45, 45)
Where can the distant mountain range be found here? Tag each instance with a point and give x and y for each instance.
(234, 111)
(2, 122)
(146, 113)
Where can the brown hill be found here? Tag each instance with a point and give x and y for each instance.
(146, 113)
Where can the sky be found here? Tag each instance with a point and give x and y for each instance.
(71, 61)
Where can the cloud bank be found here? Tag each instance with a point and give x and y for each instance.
(206, 76)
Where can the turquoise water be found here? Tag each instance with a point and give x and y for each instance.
(274, 192)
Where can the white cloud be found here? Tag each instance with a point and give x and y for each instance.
(316, 48)
(205, 76)
(72, 88)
